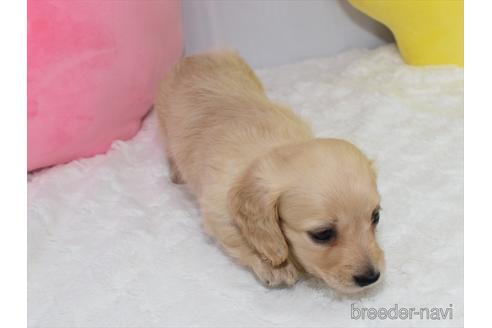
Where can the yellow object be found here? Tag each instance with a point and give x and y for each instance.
(428, 32)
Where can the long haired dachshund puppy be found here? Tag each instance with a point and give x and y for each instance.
(277, 199)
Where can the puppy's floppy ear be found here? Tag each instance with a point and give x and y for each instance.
(374, 170)
(253, 206)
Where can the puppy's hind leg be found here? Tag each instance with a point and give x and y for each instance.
(174, 174)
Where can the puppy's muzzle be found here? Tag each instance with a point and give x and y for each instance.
(370, 277)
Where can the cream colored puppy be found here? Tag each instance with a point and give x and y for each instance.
(277, 199)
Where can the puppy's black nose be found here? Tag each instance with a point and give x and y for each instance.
(366, 279)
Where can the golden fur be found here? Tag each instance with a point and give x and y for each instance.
(262, 180)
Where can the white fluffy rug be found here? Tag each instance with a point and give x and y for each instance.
(112, 243)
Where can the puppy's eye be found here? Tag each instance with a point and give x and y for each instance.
(375, 217)
(322, 236)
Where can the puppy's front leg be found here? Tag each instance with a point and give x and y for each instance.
(284, 274)
(234, 244)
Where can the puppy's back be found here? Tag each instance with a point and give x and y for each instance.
(210, 74)
(215, 113)
(217, 68)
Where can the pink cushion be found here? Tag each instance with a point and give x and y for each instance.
(93, 70)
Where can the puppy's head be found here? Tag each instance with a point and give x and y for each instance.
(317, 203)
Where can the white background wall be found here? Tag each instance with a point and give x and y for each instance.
(275, 32)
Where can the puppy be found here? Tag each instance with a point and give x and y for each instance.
(278, 200)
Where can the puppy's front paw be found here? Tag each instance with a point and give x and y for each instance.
(284, 274)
